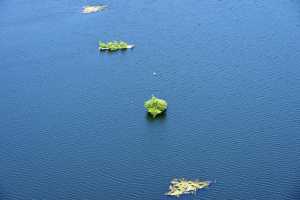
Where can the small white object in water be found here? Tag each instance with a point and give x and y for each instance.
(154, 73)
(92, 9)
(130, 46)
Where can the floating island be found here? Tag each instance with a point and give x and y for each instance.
(93, 9)
(155, 106)
(114, 46)
(182, 186)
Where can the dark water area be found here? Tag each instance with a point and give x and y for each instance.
(73, 125)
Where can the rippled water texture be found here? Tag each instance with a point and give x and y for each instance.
(72, 120)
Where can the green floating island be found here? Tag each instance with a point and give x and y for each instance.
(156, 106)
(93, 9)
(114, 46)
(179, 187)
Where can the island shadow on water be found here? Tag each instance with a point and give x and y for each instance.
(161, 117)
(114, 53)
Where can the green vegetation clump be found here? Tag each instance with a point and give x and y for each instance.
(93, 9)
(155, 106)
(182, 186)
(114, 46)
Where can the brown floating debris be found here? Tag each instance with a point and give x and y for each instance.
(179, 187)
(93, 9)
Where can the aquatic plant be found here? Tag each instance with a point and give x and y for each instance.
(114, 46)
(155, 106)
(92, 9)
(179, 187)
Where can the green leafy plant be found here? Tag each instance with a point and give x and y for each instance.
(182, 186)
(114, 46)
(155, 106)
(93, 9)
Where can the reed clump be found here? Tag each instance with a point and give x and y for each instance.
(93, 9)
(182, 186)
(114, 46)
(155, 106)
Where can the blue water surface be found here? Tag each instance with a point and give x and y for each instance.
(72, 121)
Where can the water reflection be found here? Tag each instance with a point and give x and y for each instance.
(2, 194)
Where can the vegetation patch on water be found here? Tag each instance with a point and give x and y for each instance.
(179, 187)
(114, 46)
(93, 9)
(155, 106)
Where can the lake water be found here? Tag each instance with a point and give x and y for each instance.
(73, 125)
